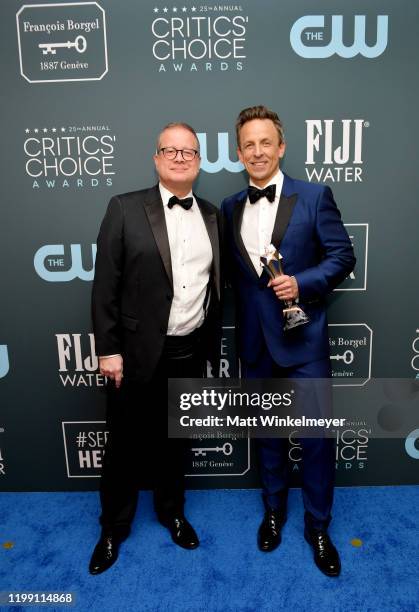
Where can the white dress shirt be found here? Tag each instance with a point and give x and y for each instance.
(258, 222)
(191, 255)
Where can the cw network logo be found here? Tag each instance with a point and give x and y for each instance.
(415, 359)
(306, 30)
(4, 360)
(223, 161)
(410, 444)
(53, 265)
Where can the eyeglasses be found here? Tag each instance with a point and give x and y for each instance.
(171, 153)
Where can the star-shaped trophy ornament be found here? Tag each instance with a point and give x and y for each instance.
(294, 315)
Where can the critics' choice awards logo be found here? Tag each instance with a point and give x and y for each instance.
(84, 447)
(357, 279)
(351, 450)
(78, 362)
(311, 38)
(334, 150)
(62, 42)
(75, 156)
(4, 360)
(59, 263)
(350, 353)
(199, 38)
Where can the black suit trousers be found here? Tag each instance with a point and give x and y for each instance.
(138, 451)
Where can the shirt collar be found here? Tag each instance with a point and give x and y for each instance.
(166, 195)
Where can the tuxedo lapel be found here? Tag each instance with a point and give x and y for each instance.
(283, 216)
(210, 220)
(238, 211)
(153, 206)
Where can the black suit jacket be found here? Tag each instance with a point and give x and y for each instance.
(133, 285)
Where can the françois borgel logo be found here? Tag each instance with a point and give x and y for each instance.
(312, 40)
(334, 150)
(218, 455)
(78, 362)
(199, 38)
(350, 353)
(65, 157)
(84, 446)
(57, 263)
(62, 42)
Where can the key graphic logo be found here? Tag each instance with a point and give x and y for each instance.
(350, 353)
(62, 42)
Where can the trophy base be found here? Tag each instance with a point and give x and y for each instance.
(294, 317)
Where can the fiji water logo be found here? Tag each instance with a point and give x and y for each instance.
(52, 263)
(308, 29)
(335, 149)
(223, 161)
(4, 360)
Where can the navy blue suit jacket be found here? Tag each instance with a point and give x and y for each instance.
(316, 249)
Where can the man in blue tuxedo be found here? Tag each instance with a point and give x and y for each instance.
(302, 221)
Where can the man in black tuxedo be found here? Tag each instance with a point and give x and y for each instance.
(156, 314)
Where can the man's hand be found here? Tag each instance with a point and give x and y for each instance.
(111, 367)
(285, 287)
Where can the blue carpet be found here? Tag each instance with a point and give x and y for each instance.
(53, 536)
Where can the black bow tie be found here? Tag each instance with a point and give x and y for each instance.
(186, 203)
(255, 194)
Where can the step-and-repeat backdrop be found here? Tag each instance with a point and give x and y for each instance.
(86, 87)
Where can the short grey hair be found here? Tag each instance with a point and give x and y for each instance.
(176, 124)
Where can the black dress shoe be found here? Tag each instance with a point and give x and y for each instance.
(269, 534)
(105, 554)
(182, 532)
(326, 557)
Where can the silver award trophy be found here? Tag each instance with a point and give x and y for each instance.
(294, 315)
